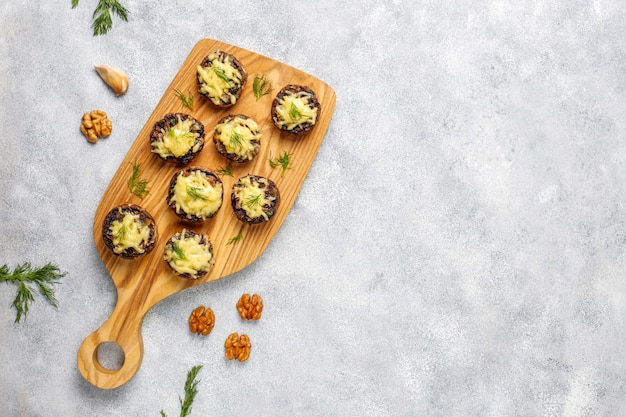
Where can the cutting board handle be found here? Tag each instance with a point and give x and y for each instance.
(122, 329)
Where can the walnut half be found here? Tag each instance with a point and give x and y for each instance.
(250, 307)
(237, 347)
(95, 125)
(201, 321)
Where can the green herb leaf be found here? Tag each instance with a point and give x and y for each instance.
(191, 390)
(236, 139)
(235, 239)
(283, 160)
(121, 233)
(185, 100)
(136, 185)
(196, 192)
(227, 170)
(294, 112)
(180, 136)
(253, 200)
(25, 277)
(179, 252)
(102, 21)
(220, 73)
(261, 86)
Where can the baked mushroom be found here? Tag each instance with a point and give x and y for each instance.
(195, 194)
(189, 254)
(221, 78)
(295, 109)
(177, 137)
(255, 199)
(237, 137)
(129, 231)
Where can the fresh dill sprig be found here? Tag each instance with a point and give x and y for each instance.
(26, 277)
(261, 86)
(235, 239)
(136, 185)
(180, 136)
(121, 233)
(283, 160)
(294, 112)
(196, 192)
(171, 132)
(227, 170)
(253, 200)
(221, 74)
(102, 21)
(179, 252)
(186, 100)
(191, 390)
(236, 139)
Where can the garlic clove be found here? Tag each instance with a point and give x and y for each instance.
(114, 78)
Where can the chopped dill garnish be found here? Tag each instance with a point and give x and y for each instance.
(171, 132)
(253, 200)
(236, 139)
(136, 185)
(294, 112)
(178, 252)
(121, 233)
(196, 192)
(261, 86)
(227, 170)
(186, 100)
(220, 73)
(235, 239)
(282, 160)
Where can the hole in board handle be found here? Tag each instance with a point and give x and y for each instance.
(110, 356)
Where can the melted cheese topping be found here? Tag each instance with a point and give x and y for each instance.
(194, 195)
(131, 232)
(213, 83)
(237, 136)
(294, 110)
(178, 140)
(191, 256)
(252, 197)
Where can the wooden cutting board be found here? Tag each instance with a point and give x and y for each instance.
(143, 282)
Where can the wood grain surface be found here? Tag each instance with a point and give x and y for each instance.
(143, 282)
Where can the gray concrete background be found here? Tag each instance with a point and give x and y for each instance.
(458, 248)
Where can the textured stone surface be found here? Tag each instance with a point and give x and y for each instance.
(458, 248)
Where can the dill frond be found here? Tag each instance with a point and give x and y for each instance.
(27, 280)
